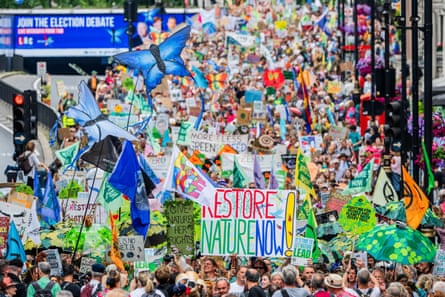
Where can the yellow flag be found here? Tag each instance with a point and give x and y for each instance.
(416, 202)
(303, 175)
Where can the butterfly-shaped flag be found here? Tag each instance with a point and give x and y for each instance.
(158, 61)
(273, 78)
(216, 81)
(158, 37)
(88, 115)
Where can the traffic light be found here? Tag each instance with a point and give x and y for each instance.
(20, 111)
(31, 97)
(395, 123)
(130, 11)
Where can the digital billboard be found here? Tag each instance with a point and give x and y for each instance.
(6, 35)
(78, 35)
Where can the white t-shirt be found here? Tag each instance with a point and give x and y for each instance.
(236, 289)
(137, 292)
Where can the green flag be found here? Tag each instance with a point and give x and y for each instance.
(306, 212)
(428, 169)
(183, 134)
(110, 198)
(362, 182)
(239, 177)
(67, 155)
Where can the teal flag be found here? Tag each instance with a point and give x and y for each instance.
(362, 182)
(239, 177)
(109, 197)
(67, 154)
(183, 134)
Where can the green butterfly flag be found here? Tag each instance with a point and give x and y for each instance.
(357, 216)
(362, 182)
(109, 197)
(67, 154)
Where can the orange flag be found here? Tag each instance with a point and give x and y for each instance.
(115, 254)
(416, 202)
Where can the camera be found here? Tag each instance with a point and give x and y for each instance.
(168, 258)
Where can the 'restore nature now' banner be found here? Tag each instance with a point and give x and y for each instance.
(250, 222)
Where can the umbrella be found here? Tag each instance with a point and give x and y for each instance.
(430, 218)
(343, 242)
(394, 210)
(397, 243)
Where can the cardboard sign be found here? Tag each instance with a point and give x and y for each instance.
(303, 251)
(85, 264)
(336, 201)
(244, 116)
(439, 264)
(21, 199)
(180, 226)
(132, 248)
(338, 133)
(334, 87)
(346, 66)
(53, 258)
(249, 222)
(4, 228)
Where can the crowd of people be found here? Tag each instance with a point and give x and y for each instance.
(300, 44)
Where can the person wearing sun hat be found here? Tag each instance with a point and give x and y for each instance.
(8, 286)
(334, 284)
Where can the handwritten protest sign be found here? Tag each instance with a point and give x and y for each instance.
(180, 225)
(75, 209)
(249, 222)
(4, 227)
(337, 132)
(132, 248)
(267, 162)
(53, 258)
(85, 264)
(439, 264)
(159, 165)
(210, 144)
(302, 251)
(334, 87)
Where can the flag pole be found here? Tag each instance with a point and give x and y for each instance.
(89, 199)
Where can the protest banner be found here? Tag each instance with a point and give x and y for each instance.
(53, 258)
(180, 226)
(249, 222)
(75, 209)
(21, 199)
(336, 201)
(210, 144)
(4, 228)
(159, 164)
(303, 247)
(19, 214)
(132, 248)
(439, 264)
(85, 264)
(267, 162)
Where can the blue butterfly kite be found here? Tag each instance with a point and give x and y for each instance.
(158, 61)
(89, 116)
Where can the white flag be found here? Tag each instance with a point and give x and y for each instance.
(384, 192)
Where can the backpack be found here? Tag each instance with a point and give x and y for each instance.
(367, 293)
(87, 291)
(24, 163)
(45, 292)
